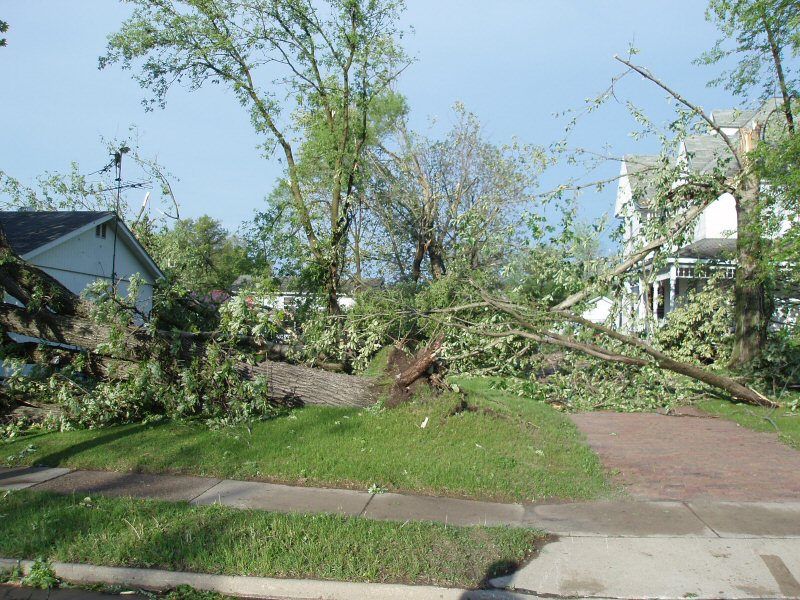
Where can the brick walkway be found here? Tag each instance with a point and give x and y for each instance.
(692, 457)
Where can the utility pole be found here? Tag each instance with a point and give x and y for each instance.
(118, 169)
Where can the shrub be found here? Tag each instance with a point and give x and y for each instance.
(700, 330)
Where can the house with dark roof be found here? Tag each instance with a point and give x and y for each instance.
(79, 247)
(711, 243)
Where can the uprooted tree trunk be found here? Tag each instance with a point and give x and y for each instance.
(422, 364)
(53, 313)
(286, 381)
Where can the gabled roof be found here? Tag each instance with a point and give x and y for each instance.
(28, 230)
(640, 169)
(30, 233)
(735, 118)
(732, 118)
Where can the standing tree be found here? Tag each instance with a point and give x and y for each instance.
(201, 254)
(334, 58)
(450, 200)
(762, 34)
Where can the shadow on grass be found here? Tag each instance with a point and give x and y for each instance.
(58, 457)
(486, 590)
(75, 529)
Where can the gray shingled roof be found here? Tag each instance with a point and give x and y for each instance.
(732, 117)
(641, 170)
(706, 152)
(28, 230)
(738, 118)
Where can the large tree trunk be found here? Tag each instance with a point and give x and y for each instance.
(750, 306)
(296, 383)
(436, 257)
(312, 386)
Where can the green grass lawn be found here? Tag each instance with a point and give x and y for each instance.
(784, 423)
(510, 449)
(221, 540)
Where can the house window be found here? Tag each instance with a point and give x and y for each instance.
(100, 231)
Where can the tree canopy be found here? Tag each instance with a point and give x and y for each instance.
(302, 69)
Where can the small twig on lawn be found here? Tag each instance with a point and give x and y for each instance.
(766, 418)
(771, 422)
(135, 531)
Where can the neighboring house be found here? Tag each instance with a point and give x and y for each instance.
(79, 247)
(288, 296)
(710, 246)
(598, 310)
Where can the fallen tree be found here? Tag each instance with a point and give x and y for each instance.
(651, 355)
(692, 195)
(54, 314)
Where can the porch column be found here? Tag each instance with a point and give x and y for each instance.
(673, 285)
(641, 301)
(655, 300)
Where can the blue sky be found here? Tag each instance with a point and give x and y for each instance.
(512, 62)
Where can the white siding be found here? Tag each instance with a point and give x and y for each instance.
(718, 220)
(85, 258)
(598, 310)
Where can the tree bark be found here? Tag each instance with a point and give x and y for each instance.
(436, 257)
(750, 306)
(312, 386)
(419, 255)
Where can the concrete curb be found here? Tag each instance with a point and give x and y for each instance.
(259, 587)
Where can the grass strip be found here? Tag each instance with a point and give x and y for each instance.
(502, 448)
(784, 423)
(220, 540)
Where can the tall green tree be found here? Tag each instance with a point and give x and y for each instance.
(321, 63)
(763, 35)
(201, 254)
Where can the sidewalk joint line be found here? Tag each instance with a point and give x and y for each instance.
(208, 489)
(52, 478)
(691, 510)
(364, 510)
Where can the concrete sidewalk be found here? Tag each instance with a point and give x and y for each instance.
(626, 518)
(620, 549)
(264, 496)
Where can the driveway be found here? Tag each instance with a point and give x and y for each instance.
(692, 456)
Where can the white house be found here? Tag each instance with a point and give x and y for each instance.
(79, 247)
(598, 310)
(710, 246)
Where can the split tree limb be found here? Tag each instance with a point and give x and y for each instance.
(657, 358)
